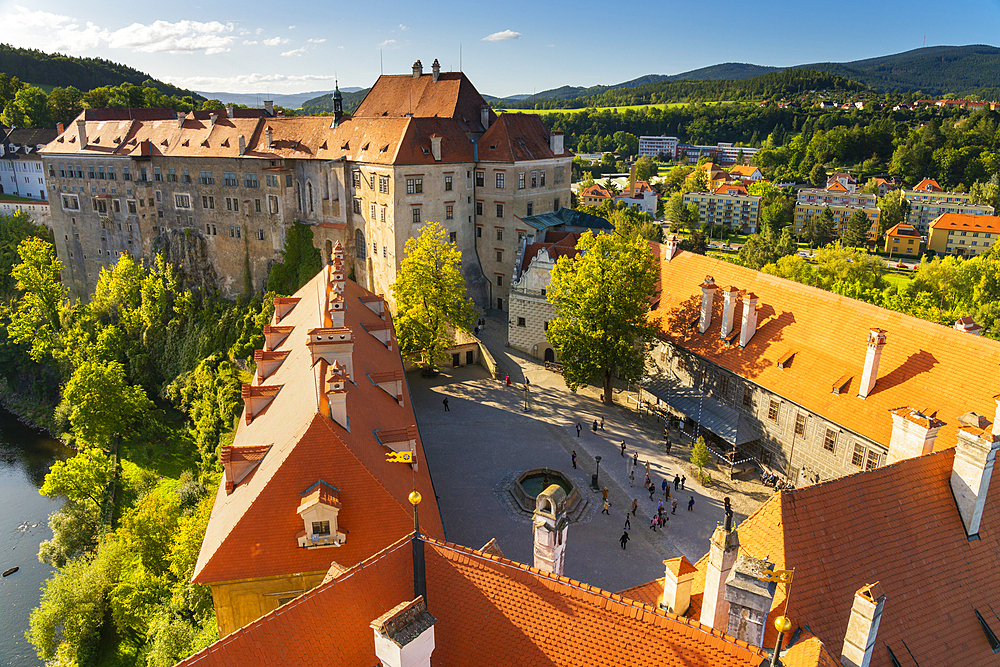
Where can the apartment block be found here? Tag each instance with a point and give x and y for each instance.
(964, 234)
(928, 201)
(655, 147)
(842, 200)
(729, 206)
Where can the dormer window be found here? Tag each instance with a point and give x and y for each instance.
(321, 527)
(319, 508)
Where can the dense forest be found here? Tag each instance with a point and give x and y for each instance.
(318, 105)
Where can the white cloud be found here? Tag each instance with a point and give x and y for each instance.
(295, 52)
(388, 42)
(501, 36)
(179, 37)
(260, 30)
(275, 41)
(291, 27)
(403, 27)
(249, 43)
(316, 41)
(252, 82)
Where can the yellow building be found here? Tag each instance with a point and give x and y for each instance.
(903, 239)
(963, 234)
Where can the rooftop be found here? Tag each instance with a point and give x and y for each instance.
(967, 222)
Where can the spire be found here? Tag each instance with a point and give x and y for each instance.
(338, 104)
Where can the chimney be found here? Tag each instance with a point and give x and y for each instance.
(436, 147)
(229, 111)
(862, 627)
(670, 248)
(876, 341)
(631, 182)
(975, 454)
(677, 585)
(269, 107)
(333, 345)
(484, 116)
(180, 120)
(722, 552)
(556, 143)
(404, 635)
(707, 299)
(913, 434)
(243, 145)
(60, 128)
(549, 526)
(269, 136)
(336, 395)
(749, 325)
(749, 599)
(213, 118)
(729, 295)
(436, 69)
(418, 69)
(81, 129)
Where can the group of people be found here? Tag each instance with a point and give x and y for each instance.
(770, 479)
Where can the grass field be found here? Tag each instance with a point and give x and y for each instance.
(634, 106)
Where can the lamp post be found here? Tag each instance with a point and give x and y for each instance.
(597, 475)
(782, 625)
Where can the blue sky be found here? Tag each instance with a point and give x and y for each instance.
(509, 48)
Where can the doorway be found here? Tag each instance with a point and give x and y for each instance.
(550, 355)
(499, 303)
(456, 360)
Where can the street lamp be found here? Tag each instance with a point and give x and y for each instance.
(782, 625)
(597, 475)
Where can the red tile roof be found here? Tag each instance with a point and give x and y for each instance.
(516, 137)
(489, 611)
(928, 185)
(924, 365)
(451, 96)
(904, 229)
(252, 530)
(967, 222)
(596, 190)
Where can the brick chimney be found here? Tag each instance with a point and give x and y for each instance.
(243, 145)
(404, 635)
(707, 300)
(669, 248)
(913, 434)
(749, 599)
(556, 143)
(333, 345)
(81, 130)
(968, 325)
(749, 325)
(722, 552)
(180, 120)
(269, 136)
(336, 395)
(972, 470)
(436, 69)
(229, 111)
(484, 116)
(862, 627)
(60, 128)
(418, 69)
(436, 147)
(269, 107)
(876, 341)
(729, 295)
(677, 585)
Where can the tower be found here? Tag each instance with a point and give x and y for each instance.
(549, 524)
(338, 105)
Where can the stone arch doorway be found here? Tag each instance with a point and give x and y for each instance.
(550, 355)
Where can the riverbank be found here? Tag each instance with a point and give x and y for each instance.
(28, 411)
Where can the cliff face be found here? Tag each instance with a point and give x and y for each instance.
(189, 252)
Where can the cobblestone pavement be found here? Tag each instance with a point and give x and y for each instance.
(475, 450)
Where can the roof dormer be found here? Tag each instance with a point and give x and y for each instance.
(240, 461)
(391, 382)
(319, 507)
(283, 305)
(256, 398)
(381, 331)
(376, 303)
(400, 440)
(275, 336)
(268, 362)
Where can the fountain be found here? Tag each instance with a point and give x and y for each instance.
(532, 482)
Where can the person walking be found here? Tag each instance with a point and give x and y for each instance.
(604, 493)
(579, 428)
(683, 480)
(631, 478)
(677, 482)
(667, 494)
(607, 506)
(446, 408)
(507, 380)
(673, 506)
(647, 468)
(652, 490)
(663, 486)
(623, 449)
(595, 426)
(635, 506)
(652, 523)
(635, 459)
(628, 524)
(602, 422)
(659, 507)
(648, 481)
(691, 504)
(573, 456)
(624, 539)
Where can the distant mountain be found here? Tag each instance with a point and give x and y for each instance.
(325, 102)
(289, 101)
(56, 69)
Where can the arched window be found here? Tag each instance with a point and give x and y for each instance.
(359, 244)
(309, 194)
(298, 194)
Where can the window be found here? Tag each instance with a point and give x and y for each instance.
(772, 410)
(381, 213)
(260, 234)
(359, 244)
(383, 184)
(555, 204)
(414, 186)
(269, 180)
(499, 256)
(531, 209)
(117, 205)
(101, 205)
(499, 180)
(545, 325)
(416, 216)
(830, 441)
(724, 385)
(521, 322)
(449, 212)
(452, 237)
(499, 235)
(873, 459)
(156, 174)
(534, 179)
(171, 175)
(272, 204)
(499, 210)
(185, 176)
(70, 202)
(182, 201)
(232, 232)
(479, 232)
(447, 183)
(309, 193)
(800, 424)
(357, 206)
(250, 181)
(256, 205)
(111, 173)
(499, 281)
(372, 211)
(229, 178)
(356, 178)
(747, 397)
(207, 202)
(520, 180)
(479, 208)
(480, 179)
(541, 178)
(130, 204)
(126, 175)
(858, 457)
(385, 251)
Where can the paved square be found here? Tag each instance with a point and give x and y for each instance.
(486, 437)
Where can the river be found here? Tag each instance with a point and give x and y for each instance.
(25, 456)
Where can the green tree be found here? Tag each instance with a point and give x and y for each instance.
(894, 208)
(825, 228)
(301, 261)
(645, 168)
(818, 176)
(65, 104)
(775, 216)
(697, 181)
(766, 247)
(34, 319)
(700, 456)
(602, 301)
(430, 296)
(940, 277)
(82, 479)
(693, 217)
(630, 221)
(856, 230)
(102, 404)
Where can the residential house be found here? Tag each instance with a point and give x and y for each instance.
(903, 239)
(928, 201)
(841, 197)
(745, 173)
(21, 171)
(963, 234)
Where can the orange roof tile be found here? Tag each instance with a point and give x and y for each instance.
(923, 364)
(515, 137)
(967, 222)
(808, 651)
(928, 185)
(451, 96)
(903, 229)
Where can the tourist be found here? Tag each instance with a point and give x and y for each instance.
(677, 482)
(647, 468)
(573, 455)
(624, 538)
(595, 426)
(663, 486)
(446, 408)
(635, 506)
(652, 490)
(673, 506)
(631, 478)
(579, 427)
(684, 480)
(635, 459)
(628, 524)
(623, 449)
(691, 504)
(668, 446)
(666, 495)
(602, 422)
(652, 523)
(659, 507)
(507, 380)
(648, 481)
(607, 506)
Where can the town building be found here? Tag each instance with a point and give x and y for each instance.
(307, 482)
(37, 209)
(963, 234)
(799, 379)
(728, 206)
(842, 198)
(595, 195)
(928, 201)
(21, 172)
(639, 195)
(745, 173)
(723, 153)
(216, 190)
(902, 239)
(661, 148)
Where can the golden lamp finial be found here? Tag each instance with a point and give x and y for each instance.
(415, 498)
(782, 624)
